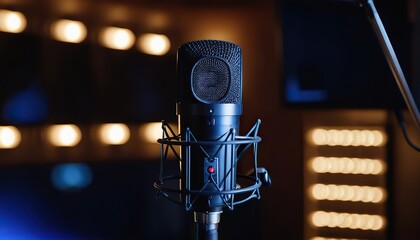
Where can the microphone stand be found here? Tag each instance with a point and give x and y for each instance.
(207, 225)
(390, 56)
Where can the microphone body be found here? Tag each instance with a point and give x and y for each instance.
(209, 108)
(211, 162)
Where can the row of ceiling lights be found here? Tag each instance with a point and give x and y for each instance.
(72, 31)
(70, 135)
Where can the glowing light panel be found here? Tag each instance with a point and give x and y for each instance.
(347, 220)
(154, 44)
(114, 133)
(12, 21)
(64, 135)
(323, 238)
(345, 165)
(9, 137)
(68, 31)
(117, 38)
(335, 137)
(354, 193)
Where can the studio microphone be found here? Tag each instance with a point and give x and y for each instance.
(209, 107)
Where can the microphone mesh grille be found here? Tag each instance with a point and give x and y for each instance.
(220, 64)
(211, 80)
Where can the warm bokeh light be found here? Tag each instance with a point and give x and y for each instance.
(11, 21)
(345, 165)
(151, 132)
(154, 44)
(117, 38)
(344, 137)
(64, 135)
(68, 31)
(324, 238)
(9, 137)
(114, 133)
(347, 220)
(354, 193)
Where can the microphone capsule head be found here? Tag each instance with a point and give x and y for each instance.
(209, 71)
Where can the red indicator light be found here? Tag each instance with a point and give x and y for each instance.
(210, 169)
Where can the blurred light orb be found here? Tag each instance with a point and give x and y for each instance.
(69, 31)
(114, 133)
(117, 38)
(71, 176)
(154, 44)
(64, 135)
(12, 21)
(151, 132)
(10, 137)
